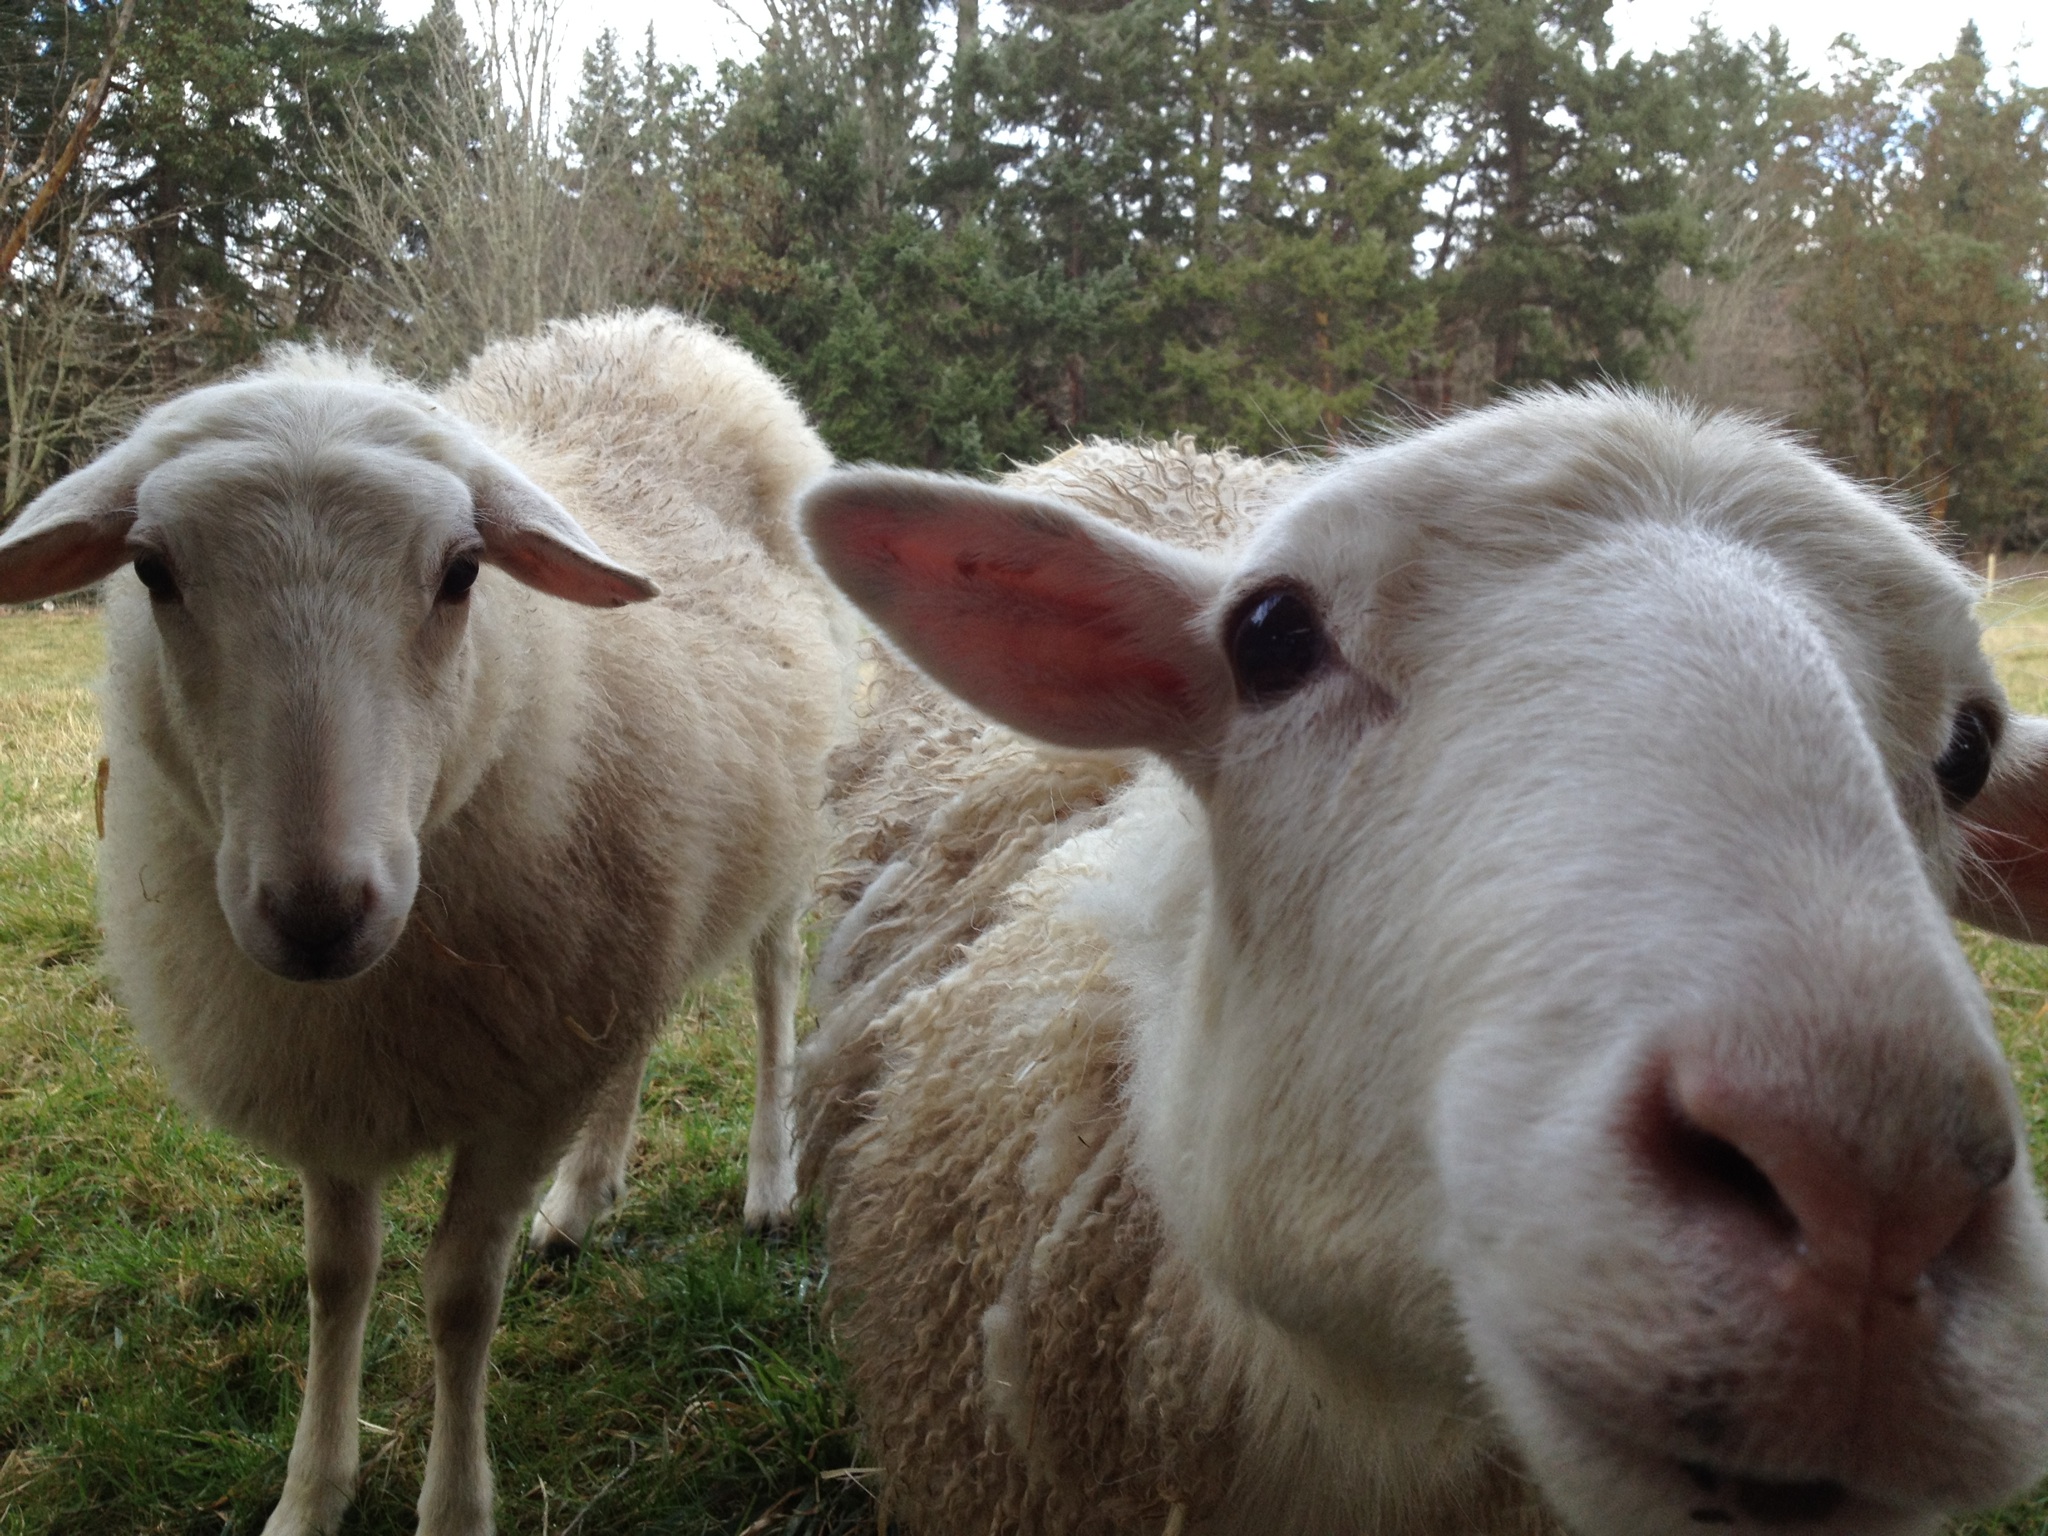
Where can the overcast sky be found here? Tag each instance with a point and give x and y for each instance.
(1911, 32)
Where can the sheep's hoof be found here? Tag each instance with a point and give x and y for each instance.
(550, 1244)
(771, 1195)
(311, 1507)
(770, 1221)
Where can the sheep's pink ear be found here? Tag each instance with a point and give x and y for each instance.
(530, 536)
(1053, 621)
(71, 535)
(2004, 883)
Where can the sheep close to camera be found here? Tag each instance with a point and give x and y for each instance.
(408, 847)
(1461, 1032)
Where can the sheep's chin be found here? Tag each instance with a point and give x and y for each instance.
(1606, 1485)
(1605, 1488)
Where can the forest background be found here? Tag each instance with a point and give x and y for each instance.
(967, 236)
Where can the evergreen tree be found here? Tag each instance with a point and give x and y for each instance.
(1567, 203)
(1266, 222)
(1302, 311)
(344, 68)
(197, 169)
(1923, 292)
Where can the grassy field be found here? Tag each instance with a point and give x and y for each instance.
(152, 1301)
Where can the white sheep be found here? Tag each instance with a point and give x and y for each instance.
(1497, 1059)
(405, 852)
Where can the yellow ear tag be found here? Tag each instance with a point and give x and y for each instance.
(99, 799)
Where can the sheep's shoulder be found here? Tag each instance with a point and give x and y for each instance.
(1022, 1339)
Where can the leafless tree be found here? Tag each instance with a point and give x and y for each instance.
(51, 168)
(473, 215)
(1746, 350)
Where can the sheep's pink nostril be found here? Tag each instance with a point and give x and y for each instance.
(1756, 1146)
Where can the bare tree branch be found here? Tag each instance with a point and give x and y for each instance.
(53, 183)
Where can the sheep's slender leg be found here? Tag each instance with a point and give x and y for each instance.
(771, 1150)
(591, 1178)
(344, 1233)
(489, 1190)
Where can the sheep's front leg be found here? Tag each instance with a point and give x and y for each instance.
(591, 1178)
(344, 1234)
(771, 1150)
(489, 1191)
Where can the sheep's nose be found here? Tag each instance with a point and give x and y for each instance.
(1846, 1226)
(319, 922)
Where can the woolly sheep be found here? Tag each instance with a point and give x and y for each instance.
(394, 862)
(1497, 1060)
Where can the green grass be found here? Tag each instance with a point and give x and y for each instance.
(152, 1292)
(152, 1295)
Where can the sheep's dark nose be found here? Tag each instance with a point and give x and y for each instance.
(319, 923)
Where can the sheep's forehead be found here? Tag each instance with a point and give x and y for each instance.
(283, 407)
(1399, 538)
(301, 507)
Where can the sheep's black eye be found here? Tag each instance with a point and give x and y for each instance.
(457, 579)
(1276, 643)
(154, 574)
(1965, 763)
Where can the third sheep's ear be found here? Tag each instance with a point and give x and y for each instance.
(1055, 621)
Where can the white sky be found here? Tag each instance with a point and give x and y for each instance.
(2015, 32)
(1910, 32)
(699, 32)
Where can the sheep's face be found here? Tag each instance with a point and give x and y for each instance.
(295, 643)
(1577, 1022)
(311, 645)
(1608, 960)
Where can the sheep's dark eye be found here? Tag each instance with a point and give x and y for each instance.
(1276, 643)
(457, 579)
(1965, 763)
(154, 574)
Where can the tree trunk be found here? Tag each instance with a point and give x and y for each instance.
(1326, 378)
(1216, 100)
(961, 131)
(1518, 126)
(60, 170)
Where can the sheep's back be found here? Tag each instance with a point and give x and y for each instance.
(709, 712)
(655, 423)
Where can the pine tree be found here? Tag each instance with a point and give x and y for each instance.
(1567, 206)
(1922, 294)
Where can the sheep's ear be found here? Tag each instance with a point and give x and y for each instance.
(1053, 621)
(2004, 883)
(73, 534)
(530, 536)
